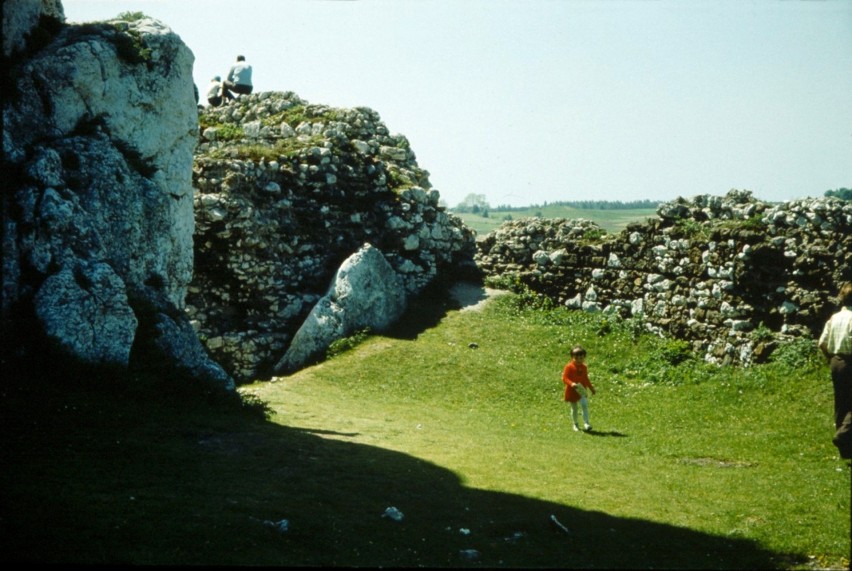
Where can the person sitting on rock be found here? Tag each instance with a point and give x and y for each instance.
(214, 91)
(239, 78)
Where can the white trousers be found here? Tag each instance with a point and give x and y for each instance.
(584, 404)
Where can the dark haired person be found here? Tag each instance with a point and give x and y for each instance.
(239, 77)
(575, 375)
(836, 344)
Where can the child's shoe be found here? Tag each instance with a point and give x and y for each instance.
(576, 428)
(587, 427)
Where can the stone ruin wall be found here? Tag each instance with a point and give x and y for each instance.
(285, 191)
(710, 270)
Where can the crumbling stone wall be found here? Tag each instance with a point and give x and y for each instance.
(711, 270)
(285, 191)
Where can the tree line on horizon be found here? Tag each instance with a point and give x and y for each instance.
(586, 205)
(478, 204)
(843, 193)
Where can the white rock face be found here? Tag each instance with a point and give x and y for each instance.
(146, 110)
(366, 293)
(101, 123)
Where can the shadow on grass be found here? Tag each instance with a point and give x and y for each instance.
(613, 433)
(321, 432)
(432, 305)
(108, 476)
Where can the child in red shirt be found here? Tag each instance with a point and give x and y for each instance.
(575, 375)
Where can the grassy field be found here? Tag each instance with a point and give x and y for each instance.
(613, 221)
(455, 418)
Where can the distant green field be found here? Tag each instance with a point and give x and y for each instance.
(612, 221)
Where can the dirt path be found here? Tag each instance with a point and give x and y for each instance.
(472, 296)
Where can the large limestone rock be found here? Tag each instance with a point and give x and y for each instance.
(100, 124)
(366, 293)
(85, 309)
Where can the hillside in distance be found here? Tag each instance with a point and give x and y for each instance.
(611, 220)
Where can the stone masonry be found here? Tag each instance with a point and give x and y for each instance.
(712, 270)
(285, 191)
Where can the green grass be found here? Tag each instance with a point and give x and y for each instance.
(613, 221)
(708, 468)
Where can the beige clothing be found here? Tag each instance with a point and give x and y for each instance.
(836, 338)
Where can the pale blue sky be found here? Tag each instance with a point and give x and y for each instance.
(546, 100)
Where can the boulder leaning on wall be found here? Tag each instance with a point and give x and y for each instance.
(285, 190)
(366, 293)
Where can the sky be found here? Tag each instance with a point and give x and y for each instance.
(535, 101)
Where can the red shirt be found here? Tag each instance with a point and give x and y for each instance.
(575, 373)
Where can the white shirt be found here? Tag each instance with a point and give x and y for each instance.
(240, 73)
(214, 89)
(837, 334)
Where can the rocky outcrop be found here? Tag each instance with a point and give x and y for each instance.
(731, 274)
(100, 124)
(366, 293)
(133, 238)
(24, 21)
(285, 191)
(86, 311)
